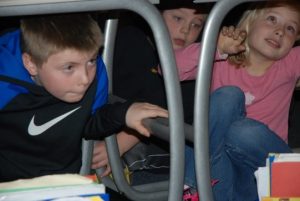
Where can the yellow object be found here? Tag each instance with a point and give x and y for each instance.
(95, 198)
(127, 175)
(281, 199)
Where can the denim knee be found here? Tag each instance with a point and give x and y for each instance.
(228, 100)
(227, 105)
(228, 95)
(251, 140)
(246, 132)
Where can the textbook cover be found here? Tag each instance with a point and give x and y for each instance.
(65, 187)
(285, 180)
(280, 178)
(285, 175)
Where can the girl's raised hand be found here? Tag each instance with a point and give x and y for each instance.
(231, 40)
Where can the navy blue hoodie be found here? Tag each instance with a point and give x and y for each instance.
(40, 134)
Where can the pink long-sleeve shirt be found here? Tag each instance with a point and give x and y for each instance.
(268, 96)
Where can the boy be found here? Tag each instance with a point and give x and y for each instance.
(53, 90)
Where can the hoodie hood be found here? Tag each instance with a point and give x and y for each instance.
(11, 63)
(16, 80)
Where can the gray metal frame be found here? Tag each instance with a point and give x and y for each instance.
(166, 55)
(201, 139)
(152, 16)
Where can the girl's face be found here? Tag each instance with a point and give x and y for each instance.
(66, 75)
(184, 26)
(273, 34)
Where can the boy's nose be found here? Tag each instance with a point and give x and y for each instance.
(84, 78)
(185, 29)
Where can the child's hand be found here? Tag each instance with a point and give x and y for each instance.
(139, 111)
(100, 158)
(231, 40)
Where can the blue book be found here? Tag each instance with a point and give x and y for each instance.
(94, 197)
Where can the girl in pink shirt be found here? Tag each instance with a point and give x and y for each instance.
(260, 81)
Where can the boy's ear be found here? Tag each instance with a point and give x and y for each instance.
(29, 64)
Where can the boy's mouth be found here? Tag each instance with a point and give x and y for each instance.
(179, 42)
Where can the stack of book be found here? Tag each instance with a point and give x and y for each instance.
(280, 179)
(64, 187)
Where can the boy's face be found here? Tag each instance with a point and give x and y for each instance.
(184, 26)
(66, 74)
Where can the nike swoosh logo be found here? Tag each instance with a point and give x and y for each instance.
(34, 130)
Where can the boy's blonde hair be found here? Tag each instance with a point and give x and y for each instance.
(248, 19)
(43, 36)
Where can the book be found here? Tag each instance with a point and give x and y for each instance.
(281, 199)
(262, 175)
(285, 175)
(101, 197)
(280, 178)
(45, 181)
(53, 187)
(285, 179)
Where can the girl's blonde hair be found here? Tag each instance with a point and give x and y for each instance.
(43, 36)
(248, 18)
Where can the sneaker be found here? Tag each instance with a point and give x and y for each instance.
(189, 195)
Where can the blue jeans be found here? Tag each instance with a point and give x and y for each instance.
(238, 146)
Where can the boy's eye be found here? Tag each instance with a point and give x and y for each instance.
(68, 68)
(197, 25)
(177, 18)
(93, 61)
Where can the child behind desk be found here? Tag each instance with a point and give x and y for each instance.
(257, 85)
(53, 87)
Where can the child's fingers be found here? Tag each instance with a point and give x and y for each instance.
(107, 171)
(236, 34)
(231, 31)
(158, 113)
(139, 111)
(242, 35)
(241, 48)
(224, 30)
(142, 130)
(155, 111)
(239, 35)
(228, 31)
(99, 163)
